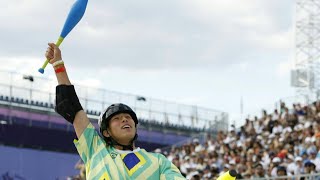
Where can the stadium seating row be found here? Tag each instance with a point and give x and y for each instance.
(19, 100)
(25, 101)
(146, 122)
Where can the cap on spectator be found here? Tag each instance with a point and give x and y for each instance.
(298, 159)
(239, 144)
(226, 141)
(276, 160)
(271, 136)
(281, 168)
(232, 162)
(214, 165)
(304, 153)
(186, 158)
(312, 151)
(307, 140)
(307, 124)
(227, 166)
(287, 130)
(196, 140)
(309, 163)
(298, 127)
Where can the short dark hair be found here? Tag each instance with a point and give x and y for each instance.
(282, 168)
(309, 163)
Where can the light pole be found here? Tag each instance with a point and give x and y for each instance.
(139, 99)
(31, 79)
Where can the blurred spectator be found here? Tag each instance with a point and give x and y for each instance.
(299, 166)
(310, 168)
(291, 165)
(286, 142)
(282, 171)
(246, 175)
(259, 172)
(82, 170)
(274, 166)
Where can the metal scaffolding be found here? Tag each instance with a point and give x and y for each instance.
(305, 76)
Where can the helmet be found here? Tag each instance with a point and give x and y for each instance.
(113, 110)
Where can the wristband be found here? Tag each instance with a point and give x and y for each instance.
(59, 70)
(57, 63)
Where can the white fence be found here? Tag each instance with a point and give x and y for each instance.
(42, 91)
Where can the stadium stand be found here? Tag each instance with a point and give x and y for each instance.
(285, 142)
(39, 124)
(30, 126)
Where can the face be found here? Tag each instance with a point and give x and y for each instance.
(121, 128)
(259, 170)
(281, 173)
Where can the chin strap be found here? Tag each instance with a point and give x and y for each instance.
(113, 142)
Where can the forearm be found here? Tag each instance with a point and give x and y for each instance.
(81, 120)
(67, 101)
(61, 75)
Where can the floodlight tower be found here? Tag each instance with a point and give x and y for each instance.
(305, 77)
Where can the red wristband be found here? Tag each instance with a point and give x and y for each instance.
(59, 70)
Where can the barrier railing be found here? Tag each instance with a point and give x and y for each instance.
(315, 176)
(40, 92)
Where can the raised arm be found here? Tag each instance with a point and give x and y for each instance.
(67, 100)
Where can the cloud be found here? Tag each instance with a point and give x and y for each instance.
(209, 51)
(143, 34)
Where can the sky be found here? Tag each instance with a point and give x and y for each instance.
(208, 53)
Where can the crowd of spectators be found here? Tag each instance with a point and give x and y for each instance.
(284, 142)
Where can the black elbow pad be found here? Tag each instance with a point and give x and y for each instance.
(67, 102)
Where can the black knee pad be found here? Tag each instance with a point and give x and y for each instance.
(67, 102)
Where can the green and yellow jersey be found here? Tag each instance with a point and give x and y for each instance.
(104, 162)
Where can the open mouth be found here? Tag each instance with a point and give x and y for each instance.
(126, 127)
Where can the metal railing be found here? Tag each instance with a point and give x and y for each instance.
(315, 176)
(42, 91)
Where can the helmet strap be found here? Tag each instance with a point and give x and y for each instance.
(113, 142)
